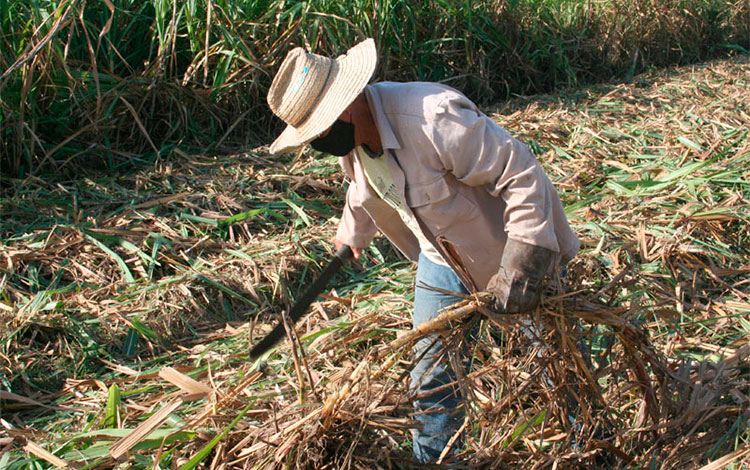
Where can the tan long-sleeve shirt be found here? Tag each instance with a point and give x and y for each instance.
(465, 179)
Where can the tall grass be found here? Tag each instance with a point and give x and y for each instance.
(112, 82)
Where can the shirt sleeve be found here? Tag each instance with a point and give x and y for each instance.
(478, 152)
(356, 228)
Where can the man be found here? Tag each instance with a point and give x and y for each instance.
(447, 185)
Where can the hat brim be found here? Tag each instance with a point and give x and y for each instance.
(351, 76)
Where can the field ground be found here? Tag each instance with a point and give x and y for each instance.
(115, 287)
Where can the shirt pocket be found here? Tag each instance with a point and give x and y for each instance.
(440, 206)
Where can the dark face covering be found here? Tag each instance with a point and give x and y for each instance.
(339, 141)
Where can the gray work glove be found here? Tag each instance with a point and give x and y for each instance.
(518, 283)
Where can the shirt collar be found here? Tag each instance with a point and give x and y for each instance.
(387, 137)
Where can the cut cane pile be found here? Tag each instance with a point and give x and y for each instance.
(128, 303)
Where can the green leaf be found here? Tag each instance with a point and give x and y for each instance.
(689, 143)
(120, 263)
(199, 219)
(131, 340)
(524, 426)
(301, 213)
(112, 411)
(203, 453)
(561, 152)
(242, 216)
(226, 290)
(684, 171)
(145, 331)
(154, 252)
(156, 439)
(131, 247)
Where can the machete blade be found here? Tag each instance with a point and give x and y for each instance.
(303, 302)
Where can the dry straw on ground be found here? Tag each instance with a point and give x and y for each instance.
(127, 298)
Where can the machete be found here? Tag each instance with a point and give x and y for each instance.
(303, 302)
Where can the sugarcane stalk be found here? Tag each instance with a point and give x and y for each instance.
(454, 313)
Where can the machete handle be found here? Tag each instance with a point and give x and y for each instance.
(345, 253)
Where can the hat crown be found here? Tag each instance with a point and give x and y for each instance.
(298, 86)
(309, 92)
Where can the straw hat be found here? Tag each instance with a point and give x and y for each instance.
(309, 92)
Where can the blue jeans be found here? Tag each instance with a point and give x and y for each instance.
(438, 412)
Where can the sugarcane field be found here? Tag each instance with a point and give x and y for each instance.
(281, 234)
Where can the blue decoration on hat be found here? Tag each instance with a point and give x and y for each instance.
(301, 79)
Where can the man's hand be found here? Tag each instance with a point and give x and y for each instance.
(517, 285)
(357, 252)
